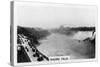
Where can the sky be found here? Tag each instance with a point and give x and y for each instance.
(51, 16)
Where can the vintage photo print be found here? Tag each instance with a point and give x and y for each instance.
(50, 32)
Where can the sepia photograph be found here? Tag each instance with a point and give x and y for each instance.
(45, 31)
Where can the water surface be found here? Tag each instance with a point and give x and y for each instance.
(61, 45)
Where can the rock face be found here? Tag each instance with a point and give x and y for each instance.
(91, 41)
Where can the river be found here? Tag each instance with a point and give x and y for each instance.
(62, 45)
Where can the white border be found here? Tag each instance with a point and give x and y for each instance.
(55, 5)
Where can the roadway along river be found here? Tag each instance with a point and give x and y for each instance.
(62, 45)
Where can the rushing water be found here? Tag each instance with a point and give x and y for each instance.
(82, 35)
(63, 45)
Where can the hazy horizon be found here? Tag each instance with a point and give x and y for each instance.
(53, 17)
